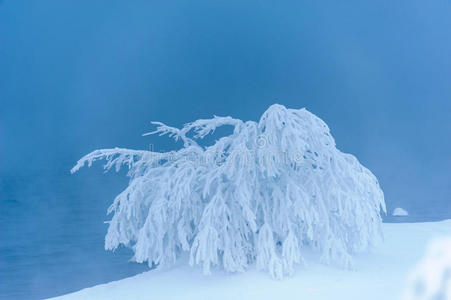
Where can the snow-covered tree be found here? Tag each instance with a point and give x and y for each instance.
(263, 195)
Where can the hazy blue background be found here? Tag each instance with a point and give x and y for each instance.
(80, 75)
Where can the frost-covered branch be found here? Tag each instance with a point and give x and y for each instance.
(114, 157)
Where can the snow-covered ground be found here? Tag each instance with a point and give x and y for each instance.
(381, 274)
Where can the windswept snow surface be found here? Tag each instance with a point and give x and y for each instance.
(381, 274)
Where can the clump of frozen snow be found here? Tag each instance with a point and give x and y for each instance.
(399, 212)
(260, 195)
(431, 279)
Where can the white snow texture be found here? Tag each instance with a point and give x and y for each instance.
(260, 195)
(431, 279)
(400, 212)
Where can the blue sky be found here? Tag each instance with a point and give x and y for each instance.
(80, 75)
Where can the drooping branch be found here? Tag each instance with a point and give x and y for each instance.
(116, 157)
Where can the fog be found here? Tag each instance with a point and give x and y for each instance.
(81, 75)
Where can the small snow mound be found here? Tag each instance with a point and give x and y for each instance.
(400, 212)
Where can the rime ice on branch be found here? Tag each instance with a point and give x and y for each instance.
(262, 194)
